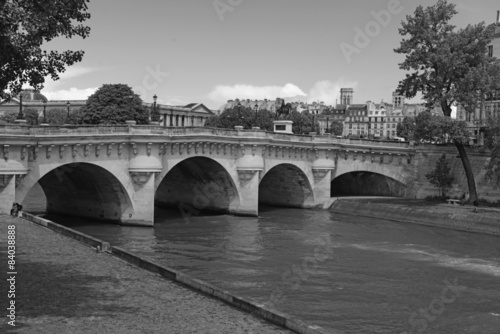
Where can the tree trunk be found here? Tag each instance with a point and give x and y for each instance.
(468, 172)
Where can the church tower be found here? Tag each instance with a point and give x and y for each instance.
(346, 95)
(398, 101)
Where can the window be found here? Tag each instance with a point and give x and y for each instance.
(490, 50)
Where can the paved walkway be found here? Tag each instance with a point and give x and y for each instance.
(63, 286)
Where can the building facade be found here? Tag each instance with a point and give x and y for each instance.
(193, 114)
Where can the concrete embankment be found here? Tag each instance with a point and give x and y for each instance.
(486, 220)
(246, 305)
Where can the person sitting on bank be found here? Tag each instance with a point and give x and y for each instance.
(463, 199)
(16, 208)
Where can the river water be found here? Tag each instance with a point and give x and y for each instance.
(355, 275)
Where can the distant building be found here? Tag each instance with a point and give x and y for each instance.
(193, 114)
(33, 99)
(356, 122)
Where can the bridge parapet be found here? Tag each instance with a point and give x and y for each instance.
(156, 131)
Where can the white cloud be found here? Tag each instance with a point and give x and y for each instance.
(223, 93)
(70, 73)
(328, 91)
(69, 94)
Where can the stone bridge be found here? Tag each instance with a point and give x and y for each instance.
(119, 173)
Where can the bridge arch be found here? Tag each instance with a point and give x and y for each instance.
(369, 179)
(81, 189)
(286, 184)
(199, 183)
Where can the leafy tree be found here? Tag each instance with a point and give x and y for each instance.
(245, 117)
(9, 116)
(439, 129)
(336, 128)
(265, 120)
(492, 142)
(213, 122)
(31, 116)
(75, 116)
(229, 118)
(406, 128)
(302, 123)
(440, 177)
(442, 62)
(114, 104)
(24, 26)
(56, 116)
(232, 117)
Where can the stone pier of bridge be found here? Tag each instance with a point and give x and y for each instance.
(120, 174)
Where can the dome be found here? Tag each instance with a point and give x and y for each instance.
(32, 95)
(323, 164)
(250, 162)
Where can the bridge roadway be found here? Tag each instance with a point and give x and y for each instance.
(118, 173)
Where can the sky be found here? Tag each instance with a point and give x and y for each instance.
(210, 51)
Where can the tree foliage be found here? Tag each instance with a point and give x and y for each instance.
(24, 26)
(56, 116)
(31, 116)
(336, 128)
(440, 177)
(9, 116)
(75, 116)
(245, 117)
(114, 104)
(229, 118)
(492, 142)
(406, 128)
(303, 123)
(442, 60)
(439, 129)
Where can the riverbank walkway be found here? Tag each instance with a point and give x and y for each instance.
(63, 286)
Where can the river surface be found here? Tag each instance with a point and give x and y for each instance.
(340, 272)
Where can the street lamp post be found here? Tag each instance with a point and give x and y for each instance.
(256, 108)
(327, 124)
(154, 107)
(20, 114)
(68, 105)
(44, 111)
(238, 108)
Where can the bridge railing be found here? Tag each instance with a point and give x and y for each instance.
(52, 131)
